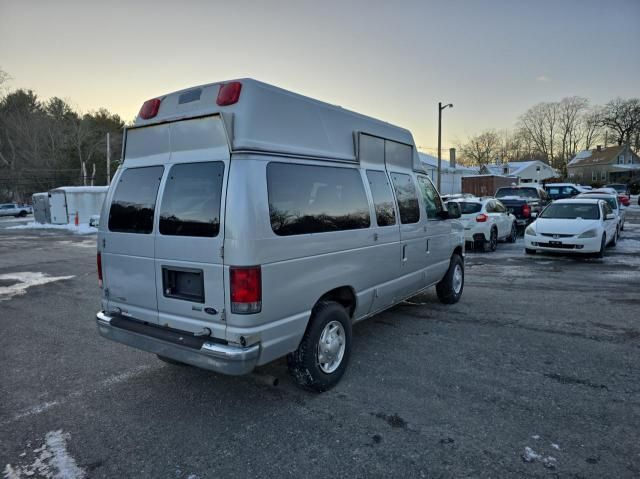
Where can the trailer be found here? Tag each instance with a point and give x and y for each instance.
(486, 185)
(41, 209)
(67, 202)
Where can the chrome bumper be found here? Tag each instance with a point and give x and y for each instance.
(216, 357)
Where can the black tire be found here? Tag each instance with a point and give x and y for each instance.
(513, 237)
(603, 245)
(614, 241)
(622, 227)
(170, 361)
(22, 214)
(529, 251)
(493, 239)
(304, 362)
(449, 290)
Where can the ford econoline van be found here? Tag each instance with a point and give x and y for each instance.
(247, 223)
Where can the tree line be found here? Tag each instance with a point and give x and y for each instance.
(555, 131)
(47, 143)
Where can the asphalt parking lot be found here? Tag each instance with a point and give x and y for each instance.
(535, 373)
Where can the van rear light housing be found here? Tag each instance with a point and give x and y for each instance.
(150, 109)
(246, 289)
(99, 265)
(229, 93)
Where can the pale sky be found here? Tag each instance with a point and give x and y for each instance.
(392, 60)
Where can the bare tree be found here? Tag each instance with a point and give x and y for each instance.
(481, 149)
(622, 117)
(569, 116)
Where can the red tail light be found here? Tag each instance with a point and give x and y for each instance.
(526, 211)
(481, 218)
(246, 289)
(99, 263)
(149, 109)
(229, 93)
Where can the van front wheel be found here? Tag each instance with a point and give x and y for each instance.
(323, 354)
(449, 290)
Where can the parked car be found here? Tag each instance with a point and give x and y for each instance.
(14, 209)
(621, 189)
(524, 202)
(614, 203)
(612, 191)
(229, 245)
(486, 221)
(573, 225)
(559, 191)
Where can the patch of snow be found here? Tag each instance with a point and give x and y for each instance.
(628, 245)
(535, 436)
(89, 243)
(35, 410)
(555, 446)
(25, 280)
(81, 229)
(530, 455)
(53, 461)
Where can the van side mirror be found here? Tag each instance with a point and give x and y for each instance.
(453, 208)
(610, 216)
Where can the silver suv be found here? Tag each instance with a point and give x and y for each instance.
(248, 223)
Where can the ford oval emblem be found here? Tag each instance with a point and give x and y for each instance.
(210, 311)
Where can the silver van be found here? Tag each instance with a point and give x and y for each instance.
(247, 223)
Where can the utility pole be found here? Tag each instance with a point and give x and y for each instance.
(440, 108)
(108, 160)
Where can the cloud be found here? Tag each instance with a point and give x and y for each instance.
(543, 79)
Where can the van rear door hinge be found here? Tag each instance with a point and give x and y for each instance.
(222, 251)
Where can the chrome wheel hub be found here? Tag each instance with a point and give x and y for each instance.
(457, 279)
(331, 347)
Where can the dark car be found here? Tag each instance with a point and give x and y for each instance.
(524, 202)
(560, 191)
(621, 188)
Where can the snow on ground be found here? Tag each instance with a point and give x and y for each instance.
(81, 229)
(52, 460)
(627, 245)
(20, 282)
(530, 455)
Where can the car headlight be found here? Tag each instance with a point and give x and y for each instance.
(589, 234)
(530, 231)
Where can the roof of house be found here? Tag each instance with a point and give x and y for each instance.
(515, 167)
(603, 156)
(432, 161)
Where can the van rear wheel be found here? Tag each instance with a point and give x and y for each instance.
(323, 354)
(449, 290)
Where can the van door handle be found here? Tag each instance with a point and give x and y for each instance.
(404, 253)
(375, 236)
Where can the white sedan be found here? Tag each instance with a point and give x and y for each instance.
(573, 225)
(615, 204)
(485, 221)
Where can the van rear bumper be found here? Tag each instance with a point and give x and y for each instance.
(221, 358)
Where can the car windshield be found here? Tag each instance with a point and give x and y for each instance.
(520, 192)
(613, 202)
(467, 208)
(572, 211)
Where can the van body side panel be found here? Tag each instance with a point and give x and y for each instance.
(297, 269)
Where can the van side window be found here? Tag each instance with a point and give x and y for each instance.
(134, 200)
(382, 197)
(191, 200)
(432, 200)
(315, 199)
(407, 198)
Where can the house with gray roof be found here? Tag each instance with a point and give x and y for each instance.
(615, 164)
(534, 171)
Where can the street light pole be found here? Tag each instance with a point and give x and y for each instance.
(440, 108)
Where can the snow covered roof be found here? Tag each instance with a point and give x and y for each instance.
(515, 168)
(432, 161)
(81, 189)
(600, 156)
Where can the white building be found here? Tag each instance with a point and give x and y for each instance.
(534, 171)
(451, 179)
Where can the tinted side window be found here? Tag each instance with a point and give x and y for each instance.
(315, 199)
(432, 200)
(407, 198)
(191, 200)
(382, 197)
(134, 200)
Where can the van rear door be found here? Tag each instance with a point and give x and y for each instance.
(190, 235)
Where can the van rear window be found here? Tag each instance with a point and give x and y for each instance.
(191, 200)
(315, 199)
(134, 200)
